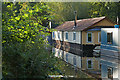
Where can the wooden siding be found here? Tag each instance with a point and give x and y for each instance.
(94, 37)
(70, 37)
(104, 22)
(56, 35)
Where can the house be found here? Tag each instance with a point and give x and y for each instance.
(110, 53)
(84, 63)
(82, 38)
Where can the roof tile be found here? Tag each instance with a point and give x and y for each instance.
(81, 24)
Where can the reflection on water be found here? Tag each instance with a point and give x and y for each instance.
(105, 65)
(68, 57)
(87, 64)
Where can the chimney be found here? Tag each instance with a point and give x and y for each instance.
(75, 21)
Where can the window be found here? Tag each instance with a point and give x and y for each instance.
(89, 64)
(110, 73)
(74, 61)
(58, 35)
(66, 35)
(58, 53)
(66, 57)
(109, 38)
(62, 55)
(74, 35)
(53, 50)
(99, 36)
(53, 34)
(89, 37)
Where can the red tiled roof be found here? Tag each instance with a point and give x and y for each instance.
(81, 24)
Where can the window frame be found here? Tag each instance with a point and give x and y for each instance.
(87, 37)
(91, 63)
(58, 35)
(66, 57)
(99, 37)
(111, 41)
(58, 53)
(74, 61)
(110, 75)
(66, 37)
(74, 36)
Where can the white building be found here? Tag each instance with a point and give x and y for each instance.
(110, 53)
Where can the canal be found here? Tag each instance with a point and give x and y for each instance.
(74, 66)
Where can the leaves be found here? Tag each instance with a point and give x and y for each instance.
(109, 9)
(24, 45)
(17, 18)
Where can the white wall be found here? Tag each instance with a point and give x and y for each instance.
(70, 37)
(56, 35)
(70, 57)
(104, 35)
(119, 37)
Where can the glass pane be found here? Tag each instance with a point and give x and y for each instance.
(89, 64)
(66, 35)
(110, 73)
(99, 37)
(109, 38)
(59, 35)
(89, 37)
(74, 36)
(74, 61)
(67, 57)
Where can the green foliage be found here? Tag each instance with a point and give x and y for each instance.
(109, 9)
(64, 11)
(25, 53)
(24, 33)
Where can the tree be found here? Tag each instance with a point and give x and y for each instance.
(25, 53)
(109, 9)
(64, 11)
